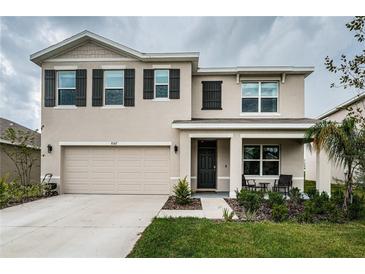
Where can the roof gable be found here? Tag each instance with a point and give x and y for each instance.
(85, 37)
(89, 50)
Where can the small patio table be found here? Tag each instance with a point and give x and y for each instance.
(265, 186)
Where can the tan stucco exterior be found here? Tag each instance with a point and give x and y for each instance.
(149, 122)
(290, 100)
(336, 172)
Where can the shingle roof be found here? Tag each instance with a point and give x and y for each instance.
(5, 123)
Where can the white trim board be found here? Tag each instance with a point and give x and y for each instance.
(115, 143)
(273, 135)
(113, 67)
(240, 126)
(211, 135)
(161, 66)
(65, 67)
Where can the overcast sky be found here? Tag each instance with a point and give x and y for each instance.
(221, 41)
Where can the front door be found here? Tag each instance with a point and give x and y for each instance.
(207, 163)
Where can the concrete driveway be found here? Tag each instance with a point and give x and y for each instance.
(77, 225)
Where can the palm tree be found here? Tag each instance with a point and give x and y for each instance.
(344, 144)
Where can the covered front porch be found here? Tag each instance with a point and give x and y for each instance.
(215, 153)
(215, 161)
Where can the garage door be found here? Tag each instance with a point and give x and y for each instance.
(116, 170)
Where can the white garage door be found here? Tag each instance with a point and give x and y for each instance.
(116, 170)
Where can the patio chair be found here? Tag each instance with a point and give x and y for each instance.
(284, 184)
(250, 184)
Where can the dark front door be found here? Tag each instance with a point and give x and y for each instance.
(207, 163)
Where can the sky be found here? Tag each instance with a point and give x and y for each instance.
(221, 41)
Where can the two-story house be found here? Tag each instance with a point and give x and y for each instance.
(116, 120)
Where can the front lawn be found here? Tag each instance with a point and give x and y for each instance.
(190, 237)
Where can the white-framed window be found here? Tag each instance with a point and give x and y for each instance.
(114, 87)
(161, 83)
(66, 87)
(259, 96)
(261, 160)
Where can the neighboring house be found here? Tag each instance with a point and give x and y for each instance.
(7, 166)
(116, 120)
(338, 113)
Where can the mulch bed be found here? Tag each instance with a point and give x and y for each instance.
(25, 200)
(264, 212)
(171, 204)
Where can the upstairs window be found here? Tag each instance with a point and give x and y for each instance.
(212, 95)
(66, 87)
(259, 97)
(114, 87)
(162, 83)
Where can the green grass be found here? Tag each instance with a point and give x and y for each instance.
(190, 237)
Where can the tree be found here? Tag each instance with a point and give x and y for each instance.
(352, 70)
(344, 144)
(20, 148)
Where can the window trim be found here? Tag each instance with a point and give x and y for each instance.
(155, 84)
(58, 89)
(105, 88)
(261, 160)
(259, 97)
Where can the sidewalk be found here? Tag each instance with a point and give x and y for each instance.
(212, 209)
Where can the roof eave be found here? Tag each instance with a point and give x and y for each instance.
(342, 106)
(255, 70)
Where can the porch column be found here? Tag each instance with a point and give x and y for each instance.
(323, 172)
(185, 156)
(235, 164)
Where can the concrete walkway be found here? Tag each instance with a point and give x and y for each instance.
(212, 209)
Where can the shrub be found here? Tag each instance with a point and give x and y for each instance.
(311, 192)
(250, 200)
(318, 204)
(227, 216)
(13, 192)
(280, 213)
(336, 214)
(276, 198)
(295, 195)
(4, 192)
(305, 217)
(337, 197)
(356, 208)
(250, 216)
(182, 192)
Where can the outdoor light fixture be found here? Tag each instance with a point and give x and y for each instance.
(176, 148)
(49, 148)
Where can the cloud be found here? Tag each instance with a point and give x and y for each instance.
(222, 41)
(6, 68)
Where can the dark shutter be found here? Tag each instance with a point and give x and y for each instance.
(98, 79)
(129, 87)
(212, 95)
(174, 84)
(81, 87)
(148, 81)
(49, 88)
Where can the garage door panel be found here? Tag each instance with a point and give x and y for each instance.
(116, 170)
